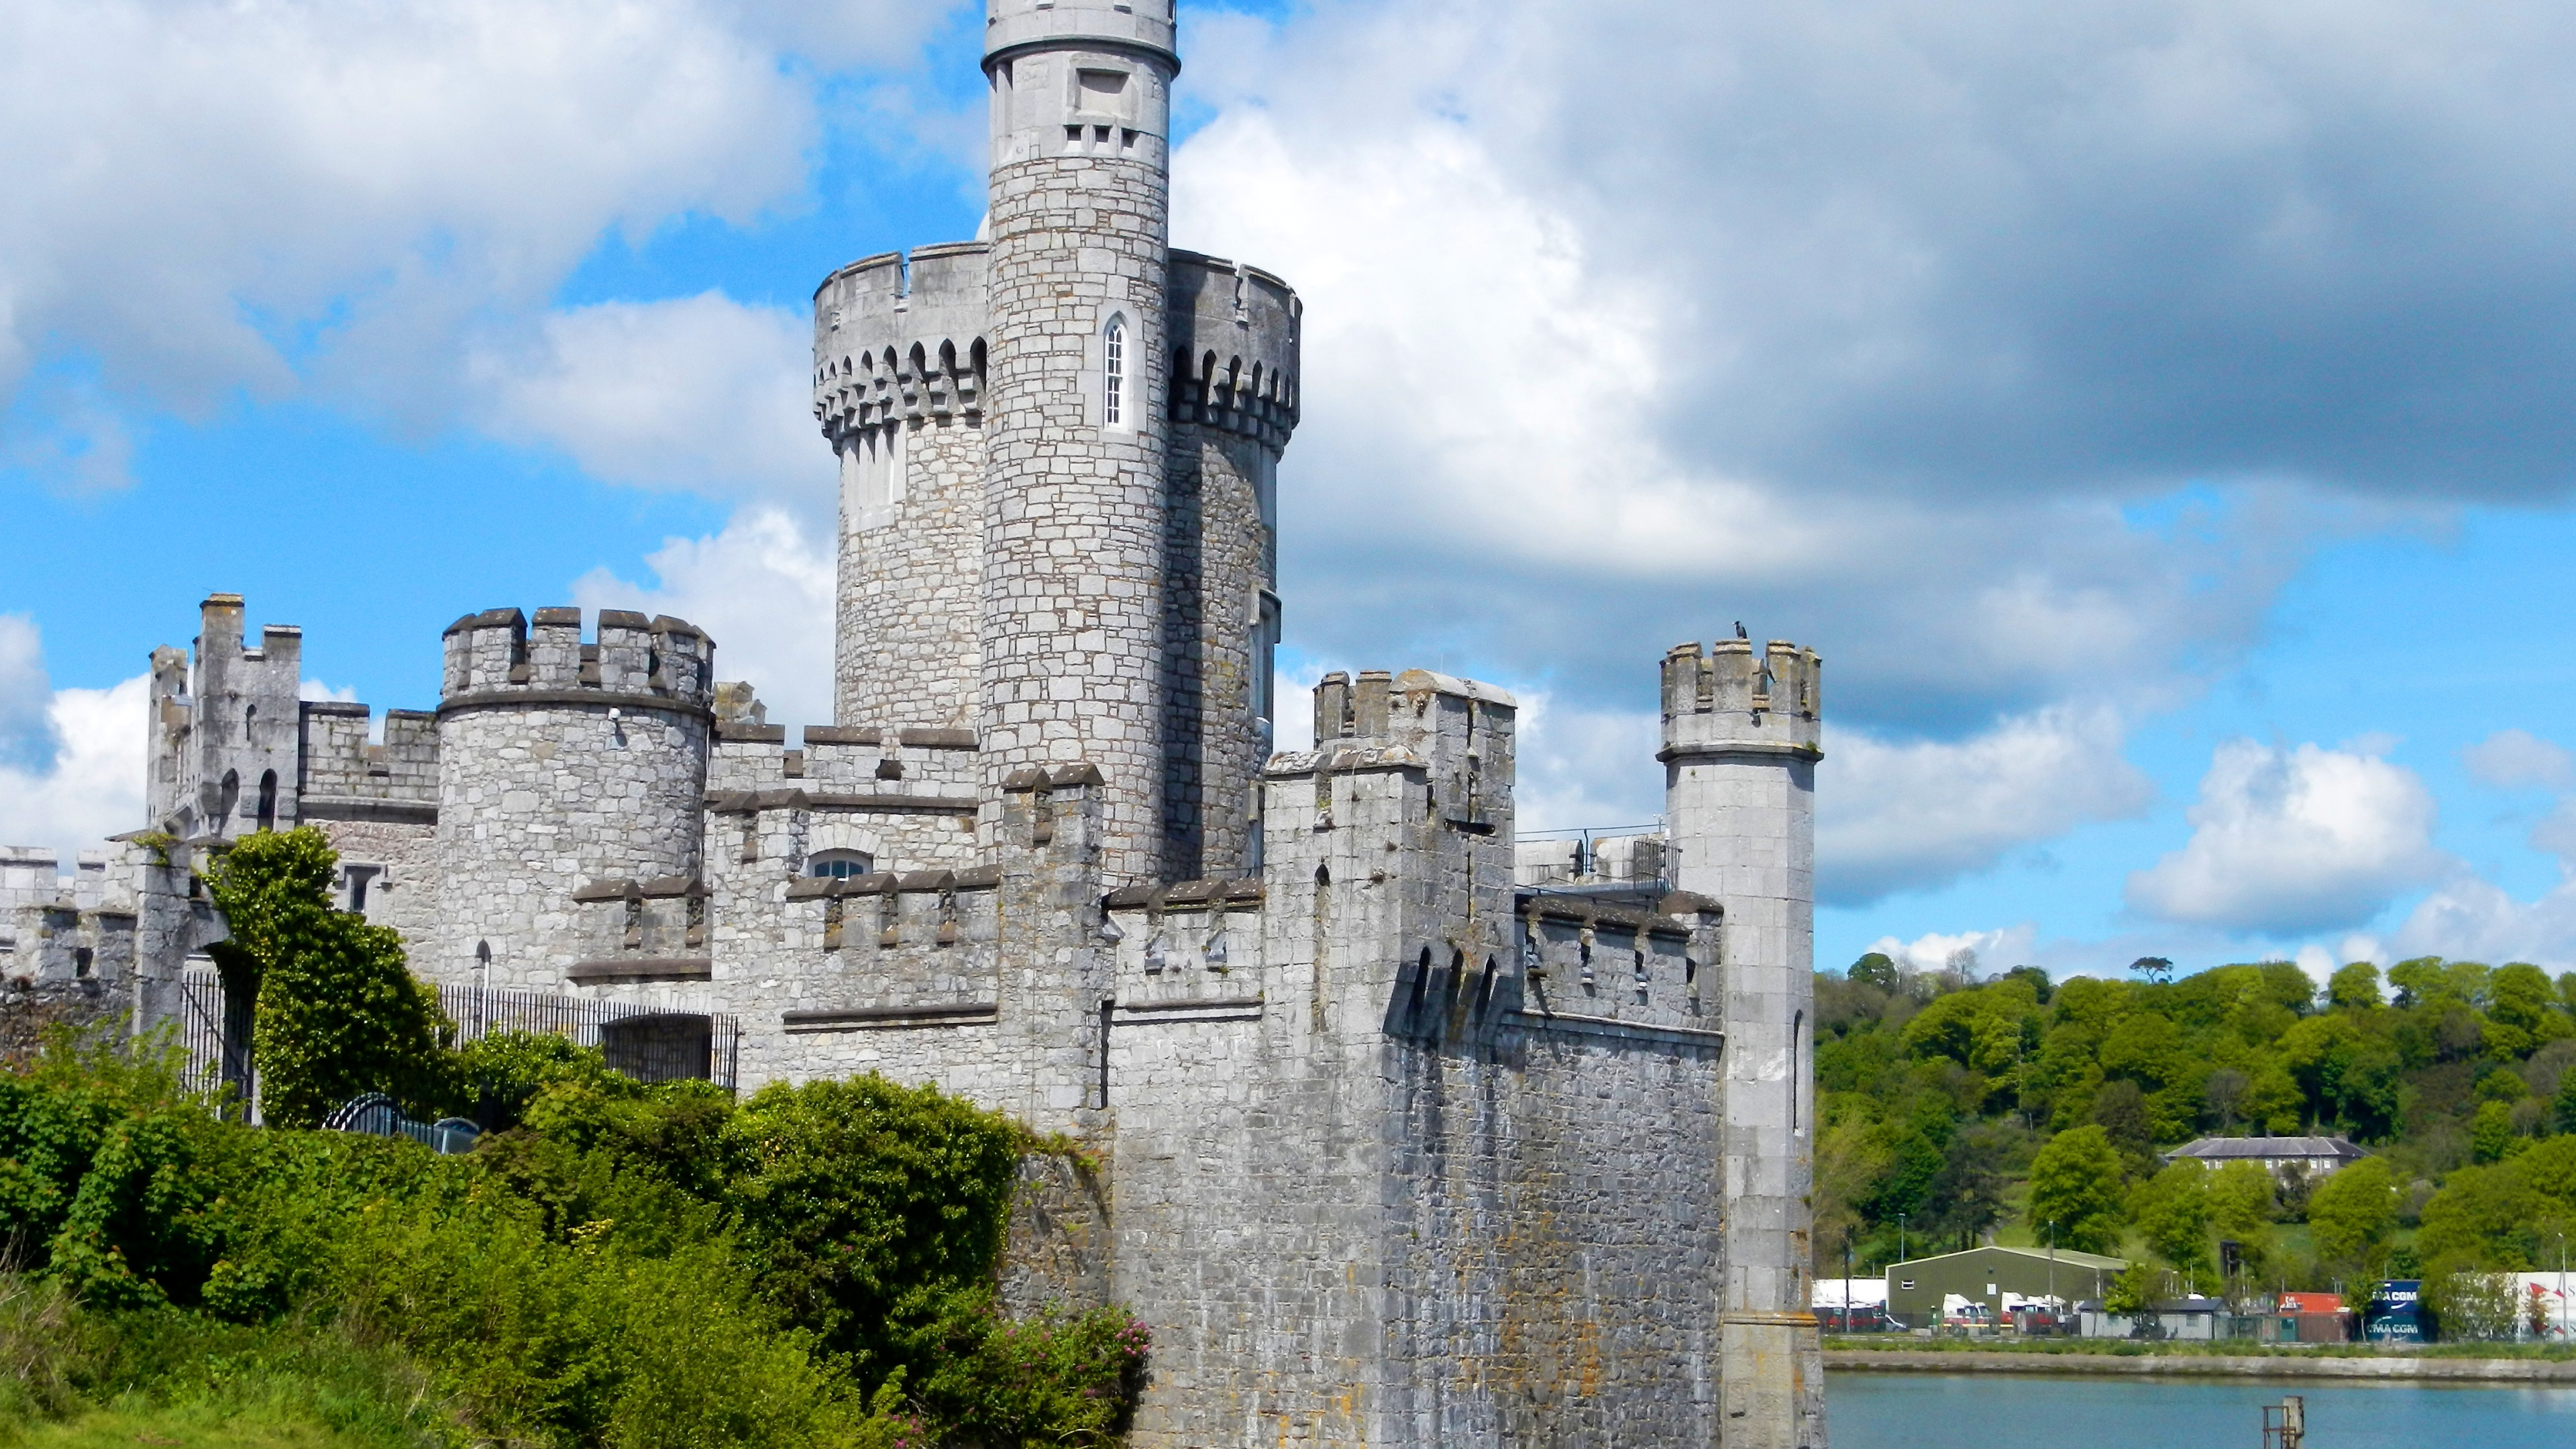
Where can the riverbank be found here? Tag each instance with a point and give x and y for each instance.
(2462, 1363)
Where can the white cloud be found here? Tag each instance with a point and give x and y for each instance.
(2471, 919)
(1984, 953)
(1629, 388)
(701, 393)
(91, 785)
(2293, 841)
(1585, 768)
(207, 196)
(1906, 816)
(762, 590)
(2517, 759)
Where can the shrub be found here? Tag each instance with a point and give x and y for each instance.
(645, 1267)
(339, 1013)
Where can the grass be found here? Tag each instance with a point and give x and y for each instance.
(161, 1378)
(268, 1422)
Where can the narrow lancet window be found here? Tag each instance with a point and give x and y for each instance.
(1113, 374)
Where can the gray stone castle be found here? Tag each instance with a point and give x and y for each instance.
(1410, 1131)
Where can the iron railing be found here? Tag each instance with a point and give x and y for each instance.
(648, 1043)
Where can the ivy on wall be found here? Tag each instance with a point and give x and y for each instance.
(339, 1012)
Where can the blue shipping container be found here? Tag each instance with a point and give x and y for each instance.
(2393, 1315)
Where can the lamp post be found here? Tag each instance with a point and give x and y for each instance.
(2054, 1306)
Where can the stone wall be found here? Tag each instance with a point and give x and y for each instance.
(1058, 1251)
(340, 775)
(29, 1010)
(1556, 1267)
(226, 734)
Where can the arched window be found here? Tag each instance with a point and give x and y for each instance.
(268, 800)
(839, 864)
(1797, 1067)
(1113, 374)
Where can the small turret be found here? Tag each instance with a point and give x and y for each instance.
(224, 746)
(561, 764)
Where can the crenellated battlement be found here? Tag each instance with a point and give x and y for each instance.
(496, 658)
(347, 776)
(894, 760)
(901, 342)
(1728, 698)
(1234, 333)
(1460, 729)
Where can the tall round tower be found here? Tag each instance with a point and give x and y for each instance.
(1742, 735)
(1071, 633)
(561, 763)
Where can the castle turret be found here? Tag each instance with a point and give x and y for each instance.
(561, 764)
(1072, 655)
(899, 389)
(1740, 751)
(224, 745)
(1234, 340)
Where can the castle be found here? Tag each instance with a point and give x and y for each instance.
(1410, 1131)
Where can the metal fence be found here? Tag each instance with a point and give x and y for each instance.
(648, 1043)
(218, 1049)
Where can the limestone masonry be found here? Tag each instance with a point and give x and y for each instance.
(1410, 1131)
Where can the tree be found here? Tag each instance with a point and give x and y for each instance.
(2154, 970)
(2521, 998)
(2120, 1110)
(1967, 1194)
(2491, 1132)
(2241, 1207)
(2419, 982)
(2075, 1190)
(2355, 987)
(1875, 969)
(2567, 1100)
(2504, 1216)
(2273, 1101)
(2225, 1091)
(339, 1013)
(2131, 1291)
(2351, 1213)
(2039, 983)
(2172, 1209)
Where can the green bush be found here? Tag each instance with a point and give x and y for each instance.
(501, 1072)
(633, 1265)
(339, 1012)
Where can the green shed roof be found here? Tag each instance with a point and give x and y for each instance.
(2065, 1257)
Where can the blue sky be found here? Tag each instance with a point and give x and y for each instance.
(2158, 415)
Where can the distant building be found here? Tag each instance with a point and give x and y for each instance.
(1988, 1275)
(2311, 1157)
(2307, 1318)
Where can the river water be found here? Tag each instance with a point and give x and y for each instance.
(1991, 1411)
